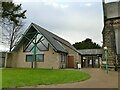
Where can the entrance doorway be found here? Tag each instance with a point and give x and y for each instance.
(90, 61)
(70, 62)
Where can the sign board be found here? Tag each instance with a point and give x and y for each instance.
(79, 66)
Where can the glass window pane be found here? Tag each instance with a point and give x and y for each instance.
(63, 57)
(43, 38)
(33, 40)
(38, 37)
(37, 50)
(40, 57)
(29, 58)
(45, 42)
(29, 47)
(41, 46)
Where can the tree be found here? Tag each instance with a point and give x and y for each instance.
(12, 22)
(86, 44)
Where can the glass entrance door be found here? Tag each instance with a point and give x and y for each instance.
(90, 61)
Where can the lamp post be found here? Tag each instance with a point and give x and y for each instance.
(106, 57)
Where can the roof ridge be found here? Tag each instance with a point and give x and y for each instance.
(55, 37)
(50, 32)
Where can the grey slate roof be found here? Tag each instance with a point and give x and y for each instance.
(90, 51)
(53, 39)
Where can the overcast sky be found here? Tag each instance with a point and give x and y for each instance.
(73, 20)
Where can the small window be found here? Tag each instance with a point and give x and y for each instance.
(29, 58)
(40, 57)
(63, 57)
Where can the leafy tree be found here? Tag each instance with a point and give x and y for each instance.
(12, 22)
(86, 44)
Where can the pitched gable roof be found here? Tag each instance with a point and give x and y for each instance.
(53, 39)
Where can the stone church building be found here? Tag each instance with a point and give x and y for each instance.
(111, 32)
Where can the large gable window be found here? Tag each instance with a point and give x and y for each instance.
(40, 41)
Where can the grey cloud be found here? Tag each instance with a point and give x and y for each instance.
(80, 22)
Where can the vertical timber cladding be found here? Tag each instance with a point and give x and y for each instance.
(111, 31)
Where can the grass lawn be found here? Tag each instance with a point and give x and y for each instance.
(13, 78)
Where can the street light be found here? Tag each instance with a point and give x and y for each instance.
(106, 57)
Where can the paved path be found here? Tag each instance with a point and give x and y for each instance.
(99, 79)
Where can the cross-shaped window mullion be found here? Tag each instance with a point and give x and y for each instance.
(44, 45)
(38, 48)
(31, 48)
(31, 41)
(40, 39)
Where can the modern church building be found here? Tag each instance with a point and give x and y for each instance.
(39, 48)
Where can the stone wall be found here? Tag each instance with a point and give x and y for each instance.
(118, 58)
(116, 25)
(52, 59)
(108, 40)
(18, 59)
(111, 31)
(77, 57)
